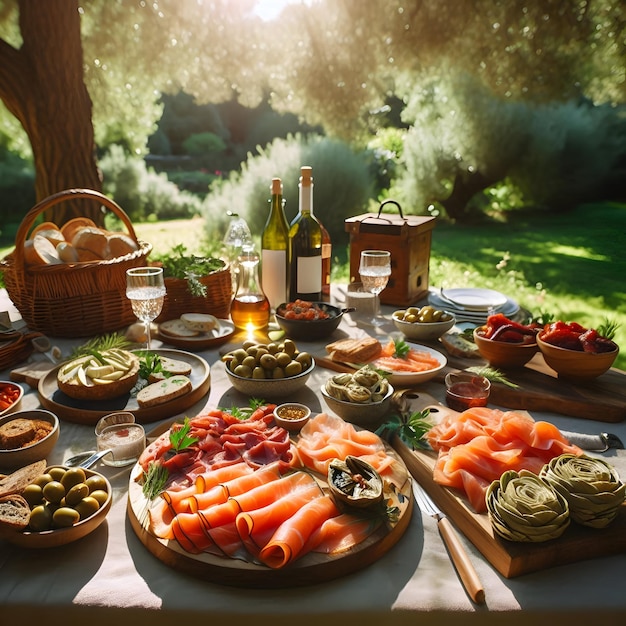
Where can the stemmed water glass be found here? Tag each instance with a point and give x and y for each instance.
(375, 269)
(145, 289)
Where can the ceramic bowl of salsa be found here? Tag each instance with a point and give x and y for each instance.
(465, 390)
(315, 321)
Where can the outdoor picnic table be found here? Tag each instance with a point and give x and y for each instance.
(109, 577)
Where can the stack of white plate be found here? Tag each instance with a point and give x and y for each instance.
(470, 304)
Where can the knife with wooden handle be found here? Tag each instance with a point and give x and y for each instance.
(460, 558)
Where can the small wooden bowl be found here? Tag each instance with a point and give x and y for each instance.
(503, 353)
(575, 364)
(19, 457)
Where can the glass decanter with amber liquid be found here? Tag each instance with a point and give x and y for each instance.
(250, 309)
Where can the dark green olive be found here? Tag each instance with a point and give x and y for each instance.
(244, 371)
(40, 518)
(268, 361)
(57, 473)
(33, 494)
(100, 495)
(87, 507)
(73, 476)
(54, 491)
(76, 494)
(65, 517)
(293, 369)
(96, 482)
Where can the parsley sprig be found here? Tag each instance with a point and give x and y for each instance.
(401, 348)
(411, 427)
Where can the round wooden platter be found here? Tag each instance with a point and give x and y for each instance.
(203, 341)
(84, 412)
(310, 569)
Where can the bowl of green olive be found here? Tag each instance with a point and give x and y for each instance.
(423, 323)
(67, 503)
(268, 370)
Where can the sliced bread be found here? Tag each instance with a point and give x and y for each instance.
(170, 367)
(177, 328)
(354, 350)
(14, 512)
(163, 391)
(457, 345)
(16, 482)
(199, 321)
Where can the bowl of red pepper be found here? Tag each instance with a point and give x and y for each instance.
(308, 321)
(505, 343)
(576, 352)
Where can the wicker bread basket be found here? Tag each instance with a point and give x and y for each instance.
(72, 299)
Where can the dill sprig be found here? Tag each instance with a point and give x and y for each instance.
(155, 479)
(101, 344)
(608, 328)
(492, 374)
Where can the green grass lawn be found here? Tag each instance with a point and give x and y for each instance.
(571, 265)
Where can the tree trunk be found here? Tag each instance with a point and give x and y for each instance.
(465, 187)
(42, 85)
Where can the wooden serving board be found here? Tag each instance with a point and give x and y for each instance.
(510, 558)
(84, 412)
(540, 389)
(310, 569)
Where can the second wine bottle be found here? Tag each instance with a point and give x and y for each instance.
(305, 245)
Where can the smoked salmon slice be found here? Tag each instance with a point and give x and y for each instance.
(290, 538)
(477, 446)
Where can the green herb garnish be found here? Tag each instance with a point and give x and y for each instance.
(410, 427)
(492, 374)
(154, 480)
(244, 413)
(178, 264)
(101, 344)
(180, 438)
(608, 328)
(401, 348)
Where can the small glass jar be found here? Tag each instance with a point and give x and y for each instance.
(465, 390)
(126, 442)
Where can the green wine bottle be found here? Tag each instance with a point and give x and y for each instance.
(305, 245)
(274, 249)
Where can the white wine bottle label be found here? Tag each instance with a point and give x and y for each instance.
(309, 274)
(274, 276)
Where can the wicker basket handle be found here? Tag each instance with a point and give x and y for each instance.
(57, 198)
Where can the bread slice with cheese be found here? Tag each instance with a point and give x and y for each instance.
(170, 367)
(164, 391)
(458, 345)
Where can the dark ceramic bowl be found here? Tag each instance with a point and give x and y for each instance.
(308, 330)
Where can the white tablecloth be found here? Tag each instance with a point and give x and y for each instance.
(110, 577)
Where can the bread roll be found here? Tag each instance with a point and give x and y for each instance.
(71, 226)
(120, 244)
(44, 226)
(67, 252)
(14, 512)
(40, 251)
(50, 231)
(91, 243)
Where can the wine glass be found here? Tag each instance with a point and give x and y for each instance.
(145, 289)
(375, 269)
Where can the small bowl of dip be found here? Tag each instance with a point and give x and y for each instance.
(465, 390)
(292, 415)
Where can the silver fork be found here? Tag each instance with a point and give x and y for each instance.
(460, 558)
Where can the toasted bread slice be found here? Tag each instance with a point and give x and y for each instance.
(14, 512)
(17, 481)
(354, 350)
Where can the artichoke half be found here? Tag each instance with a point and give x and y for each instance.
(524, 508)
(591, 487)
(354, 482)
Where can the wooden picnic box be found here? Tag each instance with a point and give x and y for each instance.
(407, 238)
